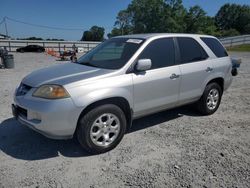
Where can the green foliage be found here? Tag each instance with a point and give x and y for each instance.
(30, 38)
(123, 21)
(115, 32)
(53, 39)
(94, 34)
(196, 20)
(240, 48)
(147, 15)
(229, 33)
(157, 16)
(174, 18)
(39, 38)
(233, 16)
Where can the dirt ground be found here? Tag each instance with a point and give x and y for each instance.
(174, 148)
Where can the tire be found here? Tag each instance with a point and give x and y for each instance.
(207, 105)
(89, 131)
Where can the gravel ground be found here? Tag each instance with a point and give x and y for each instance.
(174, 148)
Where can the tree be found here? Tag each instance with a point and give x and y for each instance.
(150, 16)
(147, 16)
(30, 38)
(94, 34)
(174, 16)
(229, 33)
(157, 16)
(233, 16)
(87, 36)
(123, 22)
(243, 24)
(198, 22)
(97, 33)
(115, 32)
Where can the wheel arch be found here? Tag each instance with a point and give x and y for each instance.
(219, 81)
(121, 102)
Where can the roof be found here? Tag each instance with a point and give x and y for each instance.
(150, 35)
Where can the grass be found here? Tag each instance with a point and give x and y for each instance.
(240, 48)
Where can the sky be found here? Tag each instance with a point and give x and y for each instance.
(79, 14)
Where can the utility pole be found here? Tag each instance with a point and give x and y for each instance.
(6, 29)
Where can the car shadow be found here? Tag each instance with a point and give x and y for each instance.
(63, 60)
(161, 117)
(23, 143)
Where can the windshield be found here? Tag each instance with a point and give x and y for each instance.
(111, 54)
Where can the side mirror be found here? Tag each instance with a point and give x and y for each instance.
(143, 64)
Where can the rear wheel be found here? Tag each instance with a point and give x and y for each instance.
(210, 100)
(101, 129)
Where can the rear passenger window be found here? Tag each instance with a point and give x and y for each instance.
(161, 52)
(215, 46)
(190, 50)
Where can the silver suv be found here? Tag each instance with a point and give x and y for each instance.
(97, 97)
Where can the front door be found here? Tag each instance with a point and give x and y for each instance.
(157, 88)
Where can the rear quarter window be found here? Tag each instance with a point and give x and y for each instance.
(215, 46)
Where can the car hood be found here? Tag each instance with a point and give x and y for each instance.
(63, 74)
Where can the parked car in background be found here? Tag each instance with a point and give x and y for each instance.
(31, 48)
(124, 78)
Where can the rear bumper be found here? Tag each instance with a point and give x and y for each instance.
(56, 119)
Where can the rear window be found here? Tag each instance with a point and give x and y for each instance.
(215, 46)
(190, 50)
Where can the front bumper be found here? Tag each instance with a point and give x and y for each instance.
(56, 119)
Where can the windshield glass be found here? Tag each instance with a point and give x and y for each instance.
(111, 54)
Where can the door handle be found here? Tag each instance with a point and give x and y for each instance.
(174, 76)
(209, 69)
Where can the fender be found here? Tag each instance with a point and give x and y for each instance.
(117, 86)
(211, 77)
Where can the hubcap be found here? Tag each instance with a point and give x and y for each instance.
(212, 99)
(105, 129)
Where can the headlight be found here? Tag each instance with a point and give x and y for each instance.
(51, 92)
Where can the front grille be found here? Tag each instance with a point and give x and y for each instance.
(21, 111)
(22, 89)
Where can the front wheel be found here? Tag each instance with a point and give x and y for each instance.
(101, 129)
(210, 100)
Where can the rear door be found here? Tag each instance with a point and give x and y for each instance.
(157, 88)
(195, 67)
